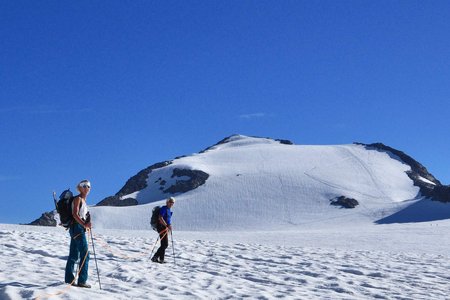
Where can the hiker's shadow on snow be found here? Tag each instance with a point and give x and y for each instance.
(19, 284)
(422, 211)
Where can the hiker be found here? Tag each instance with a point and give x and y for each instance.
(78, 243)
(163, 227)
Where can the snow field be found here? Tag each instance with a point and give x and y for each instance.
(261, 227)
(33, 262)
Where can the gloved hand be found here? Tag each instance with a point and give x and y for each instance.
(87, 223)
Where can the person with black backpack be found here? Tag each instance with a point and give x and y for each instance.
(163, 226)
(78, 242)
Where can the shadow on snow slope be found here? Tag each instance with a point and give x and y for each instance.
(424, 210)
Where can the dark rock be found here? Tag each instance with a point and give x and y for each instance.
(46, 219)
(139, 181)
(344, 202)
(196, 179)
(116, 201)
(435, 191)
(285, 142)
(134, 184)
(442, 193)
(416, 167)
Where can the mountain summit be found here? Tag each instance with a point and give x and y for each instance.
(253, 183)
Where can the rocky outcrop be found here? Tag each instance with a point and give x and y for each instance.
(285, 142)
(344, 202)
(46, 219)
(434, 190)
(441, 193)
(116, 201)
(134, 184)
(139, 181)
(196, 179)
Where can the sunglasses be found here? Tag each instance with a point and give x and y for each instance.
(171, 202)
(85, 186)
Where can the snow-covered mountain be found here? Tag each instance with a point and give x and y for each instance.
(255, 218)
(259, 183)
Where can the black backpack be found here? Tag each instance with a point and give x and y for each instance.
(154, 221)
(64, 207)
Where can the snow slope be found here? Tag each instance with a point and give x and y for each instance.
(400, 261)
(259, 183)
(261, 227)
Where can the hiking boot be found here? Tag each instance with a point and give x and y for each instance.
(154, 259)
(84, 285)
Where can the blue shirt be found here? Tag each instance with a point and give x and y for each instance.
(165, 212)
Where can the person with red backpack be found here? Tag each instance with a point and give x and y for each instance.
(163, 227)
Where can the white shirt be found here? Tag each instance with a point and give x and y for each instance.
(82, 212)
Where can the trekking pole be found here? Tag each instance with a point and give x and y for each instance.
(157, 239)
(173, 249)
(154, 245)
(95, 258)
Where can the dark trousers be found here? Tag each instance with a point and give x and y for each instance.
(164, 237)
(78, 251)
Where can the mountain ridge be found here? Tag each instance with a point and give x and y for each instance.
(245, 168)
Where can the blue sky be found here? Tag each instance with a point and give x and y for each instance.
(103, 89)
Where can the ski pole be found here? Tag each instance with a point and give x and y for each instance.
(95, 258)
(173, 249)
(154, 245)
(157, 239)
(55, 200)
